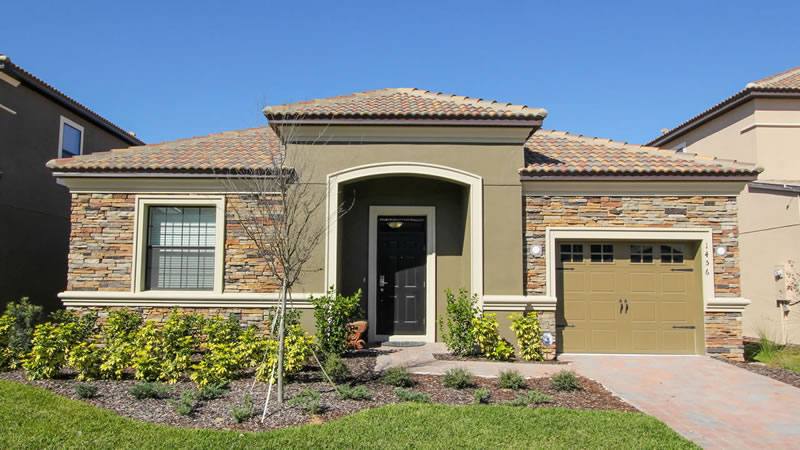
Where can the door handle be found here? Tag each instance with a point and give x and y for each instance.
(626, 306)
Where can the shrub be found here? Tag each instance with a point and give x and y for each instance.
(530, 398)
(187, 403)
(492, 346)
(51, 342)
(353, 392)
(298, 348)
(119, 335)
(164, 353)
(141, 391)
(308, 400)
(16, 332)
(565, 380)
(335, 367)
(511, 379)
(457, 328)
(529, 335)
(458, 378)
(218, 330)
(212, 391)
(244, 411)
(85, 359)
(481, 395)
(333, 313)
(86, 390)
(397, 376)
(407, 395)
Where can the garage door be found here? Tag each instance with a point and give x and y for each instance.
(629, 297)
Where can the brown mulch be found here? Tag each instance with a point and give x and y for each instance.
(452, 357)
(776, 373)
(115, 396)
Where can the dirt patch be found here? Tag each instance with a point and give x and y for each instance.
(451, 357)
(776, 373)
(115, 396)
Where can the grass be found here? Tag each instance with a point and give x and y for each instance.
(34, 418)
(774, 355)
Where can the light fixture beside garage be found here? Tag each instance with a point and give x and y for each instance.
(721, 250)
(536, 250)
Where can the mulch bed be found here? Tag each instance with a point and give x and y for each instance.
(776, 373)
(115, 396)
(451, 357)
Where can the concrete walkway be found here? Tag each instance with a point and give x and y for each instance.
(714, 404)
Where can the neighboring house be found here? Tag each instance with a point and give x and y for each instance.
(761, 125)
(620, 248)
(39, 123)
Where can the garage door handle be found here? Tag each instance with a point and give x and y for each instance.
(565, 268)
(626, 306)
(565, 326)
(682, 270)
(684, 327)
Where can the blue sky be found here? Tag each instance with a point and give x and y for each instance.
(613, 69)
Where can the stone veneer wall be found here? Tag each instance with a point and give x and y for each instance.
(723, 330)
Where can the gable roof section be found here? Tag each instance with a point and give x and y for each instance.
(48, 90)
(550, 154)
(403, 103)
(784, 84)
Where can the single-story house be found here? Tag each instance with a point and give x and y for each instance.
(620, 248)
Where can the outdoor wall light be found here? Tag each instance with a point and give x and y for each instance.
(536, 250)
(721, 251)
(395, 225)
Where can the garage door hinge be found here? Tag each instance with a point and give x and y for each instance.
(684, 327)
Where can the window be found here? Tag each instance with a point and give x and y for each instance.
(180, 250)
(671, 254)
(602, 253)
(572, 252)
(642, 254)
(680, 148)
(70, 139)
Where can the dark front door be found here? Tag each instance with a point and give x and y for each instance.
(401, 275)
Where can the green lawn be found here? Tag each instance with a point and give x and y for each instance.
(34, 418)
(775, 355)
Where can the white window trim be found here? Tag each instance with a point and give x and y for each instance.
(430, 271)
(143, 202)
(64, 121)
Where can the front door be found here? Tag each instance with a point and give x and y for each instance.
(401, 275)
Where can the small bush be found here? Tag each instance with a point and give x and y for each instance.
(481, 395)
(529, 335)
(86, 390)
(52, 341)
(85, 359)
(119, 333)
(244, 411)
(187, 403)
(530, 398)
(336, 368)
(308, 400)
(407, 395)
(212, 391)
(458, 378)
(511, 379)
(565, 380)
(485, 330)
(332, 314)
(141, 391)
(299, 347)
(354, 392)
(397, 376)
(16, 332)
(457, 332)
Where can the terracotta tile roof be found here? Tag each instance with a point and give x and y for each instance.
(406, 103)
(231, 150)
(786, 83)
(558, 153)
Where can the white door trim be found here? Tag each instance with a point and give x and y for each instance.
(430, 271)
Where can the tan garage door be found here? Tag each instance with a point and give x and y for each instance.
(629, 297)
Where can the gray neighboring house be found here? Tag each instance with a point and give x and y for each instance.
(38, 123)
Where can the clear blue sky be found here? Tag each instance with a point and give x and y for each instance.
(613, 69)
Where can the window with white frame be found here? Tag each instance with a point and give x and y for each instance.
(70, 139)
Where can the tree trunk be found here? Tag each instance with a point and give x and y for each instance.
(281, 341)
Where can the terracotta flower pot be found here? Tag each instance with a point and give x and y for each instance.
(357, 339)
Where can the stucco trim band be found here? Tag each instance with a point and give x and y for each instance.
(519, 303)
(183, 299)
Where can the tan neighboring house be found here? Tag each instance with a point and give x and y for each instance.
(620, 248)
(38, 123)
(759, 125)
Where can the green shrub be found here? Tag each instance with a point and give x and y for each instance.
(397, 376)
(347, 392)
(298, 348)
(481, 395)
(333, 313)
(86, 390)
(336, 368)
(212, 391)
(16, 332)
(457, 328)
(52, 341)
(187, 403)
(291, 318)
(511, 379)
(530, 398)
(529, 335)
(164, 353)
(407, 395)
(218, 330)
(141, 391)
(243, 411)
(308, 400)
(85, 358)
(119, 336)
(565, 380)
(458, 378)
(485, 330)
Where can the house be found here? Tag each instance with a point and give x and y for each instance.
(38, 123)
(620, 248)
(761, 125)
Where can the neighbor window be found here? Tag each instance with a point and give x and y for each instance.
(180, 247)
(572, 252)
(70, 140)
(602, 253)
(671, 254)
(641, 254)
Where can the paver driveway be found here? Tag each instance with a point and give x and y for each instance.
(714, 404)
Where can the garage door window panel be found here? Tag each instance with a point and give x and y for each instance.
(672, 254)
(602, 253)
